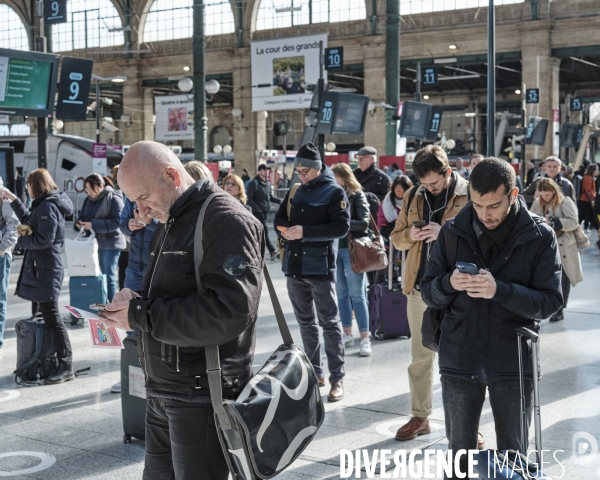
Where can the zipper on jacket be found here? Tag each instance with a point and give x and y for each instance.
(35, 270)
(150, 289)
(177, 355)
(175, 253)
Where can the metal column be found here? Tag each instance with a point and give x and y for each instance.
(491, 85)
(392, 71)
(42, 122)
(200, 120)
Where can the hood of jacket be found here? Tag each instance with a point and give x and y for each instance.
(190, 197)
(326, 177)
(60, 199)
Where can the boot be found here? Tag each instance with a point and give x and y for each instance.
(64, 374)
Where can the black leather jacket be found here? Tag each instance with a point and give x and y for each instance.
(359, 214)
(176, 321)
(374, 180)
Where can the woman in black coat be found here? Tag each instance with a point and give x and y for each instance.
(42, 272)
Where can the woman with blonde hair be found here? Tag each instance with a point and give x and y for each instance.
(234, 186)
(560, 213)
(197, 170)
(350, 287)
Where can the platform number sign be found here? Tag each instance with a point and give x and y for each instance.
(55, 11)
(327, 112)
(74, 88)
(334, 58)
(532, 95)
(430, 76)
(576, 105)
(435, 121)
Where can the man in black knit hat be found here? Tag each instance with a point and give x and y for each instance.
(318, 216)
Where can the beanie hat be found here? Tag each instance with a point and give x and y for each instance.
(308, 156)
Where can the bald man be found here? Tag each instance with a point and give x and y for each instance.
(176, 320)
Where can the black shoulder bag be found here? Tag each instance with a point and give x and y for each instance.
(432, 318)
(279, 411)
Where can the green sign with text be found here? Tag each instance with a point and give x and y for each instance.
(24, 83)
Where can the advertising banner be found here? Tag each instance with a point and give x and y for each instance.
(99, 158)
(173, 118)
(281, 69)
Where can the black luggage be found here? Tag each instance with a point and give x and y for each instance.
(36, 352)
(509, 463)
(133, 392)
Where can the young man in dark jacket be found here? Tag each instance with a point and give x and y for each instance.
(319, 216)
(369, 176)
(518, 284)
(176, 321)
(259, 198)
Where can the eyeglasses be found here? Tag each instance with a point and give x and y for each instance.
(230, 184)
(302, 173)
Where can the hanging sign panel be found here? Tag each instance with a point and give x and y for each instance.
(281, 70)
(173, 117)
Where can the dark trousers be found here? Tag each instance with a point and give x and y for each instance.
(566, 290)
(122, 265)
(463, 401)
(263, 219)
(586, 214)
(182, 442)
(314, 306)
(49, 311)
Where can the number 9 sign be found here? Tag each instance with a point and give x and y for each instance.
(74, 88)
(55, 11)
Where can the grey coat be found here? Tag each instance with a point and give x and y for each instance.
(8, 228)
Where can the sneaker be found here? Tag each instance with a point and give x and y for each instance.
(348, 340)
(365, 347)
(63, 374)
(116, 388)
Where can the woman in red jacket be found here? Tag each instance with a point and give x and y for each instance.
(585, 204)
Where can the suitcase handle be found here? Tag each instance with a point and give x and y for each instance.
(525, 332)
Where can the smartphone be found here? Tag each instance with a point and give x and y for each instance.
(282, 228)
(420, 223)
(469, 268)
(98, 306)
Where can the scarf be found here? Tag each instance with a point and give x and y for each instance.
(105, 197)
(491, 242)
(390, 210)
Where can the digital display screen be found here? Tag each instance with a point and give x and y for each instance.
(536, 131)
(27, 84)
(7, 169)
(570, 135)
(350, 114)
(415, 119)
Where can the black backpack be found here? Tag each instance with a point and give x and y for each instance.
(374, 203)
(36, 352)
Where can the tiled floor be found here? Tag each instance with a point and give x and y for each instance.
(79, 423)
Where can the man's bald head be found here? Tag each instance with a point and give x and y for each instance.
(152, 175)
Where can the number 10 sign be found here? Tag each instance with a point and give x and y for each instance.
(74, 88)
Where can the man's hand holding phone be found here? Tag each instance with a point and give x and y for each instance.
(477, 283)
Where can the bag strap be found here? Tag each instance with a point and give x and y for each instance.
(293, 191)
(213, 363)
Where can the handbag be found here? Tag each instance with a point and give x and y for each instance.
(82, 255)
(581, 238)
(279, 411)
(367, 253)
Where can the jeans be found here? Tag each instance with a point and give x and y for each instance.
(314, 306)
(51, 316)
(5, 261)
(350, 288)
(109, 260)
(122, 264)
(182, 442)
(463, 401)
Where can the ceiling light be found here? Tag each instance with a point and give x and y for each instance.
(425, 97)
(518, 92)
(118, 79)
(452, 47)
(444, 60)
(186, 68)
(470, 114)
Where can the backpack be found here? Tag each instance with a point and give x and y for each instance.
(36, 352)
(374, 203)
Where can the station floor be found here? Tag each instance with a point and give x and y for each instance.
(74, 430)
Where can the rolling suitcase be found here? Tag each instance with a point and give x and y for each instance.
(87, 290)
(133, 392)
(509, 463)
(388, 307)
